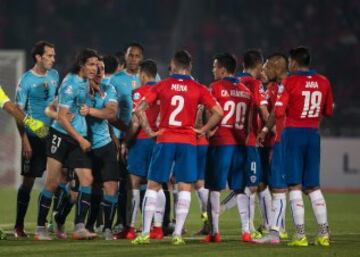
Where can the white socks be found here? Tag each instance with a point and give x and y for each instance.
(160, 208)
(298, 212)
(149, 207)
(215, 211)
(252, 197)
(278, 210)
(182, 210)
(243, 207)
(265, 207)
(319, 208)
(229, 201)
(135, 204)
(203, 195)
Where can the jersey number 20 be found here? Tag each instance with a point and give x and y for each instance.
(239, 109)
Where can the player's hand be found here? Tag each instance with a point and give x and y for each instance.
(199, 131)
(153, 134)
(84, 110)
(26, 148)
(260, 139)
(124, 152)
(211, 133)
(85, 145)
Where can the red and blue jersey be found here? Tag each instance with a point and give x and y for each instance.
(304, 97)
(179, 97)
(235, 99)
(152, 112)
(259, 99)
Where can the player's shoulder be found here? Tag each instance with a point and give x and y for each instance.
(26, 77)
(322, 78)
(53, 73)
(216, 84)
(243, 87)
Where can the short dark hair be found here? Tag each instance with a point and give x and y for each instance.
(39, 48)
(135, 44)
(301, 55)
(120, 56)
(251, 58)
(111, 64)
(278, 55)
(227, 61)
(182, 59)
(149, 67)
(81, 59)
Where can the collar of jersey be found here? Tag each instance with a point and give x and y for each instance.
(244, 74)
(231, 79)
(150, 83)
(180, 76)
(303, 73)
(79, 79)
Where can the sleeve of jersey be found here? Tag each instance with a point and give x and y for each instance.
(136, 98)
(329, 103)
(111, 96)
(66, 96)
(22, 93)
(206, 98)
(259, 95)
(152, 95)
(281, 104)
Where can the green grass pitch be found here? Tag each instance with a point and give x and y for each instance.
(344, 219)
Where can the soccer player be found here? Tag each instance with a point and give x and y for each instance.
(36, 89)
(305, 97)
(140, 151)
(67, 142)
(275, 69)
(179, 97)
(36, 126)
(103, 107)
(120, 57)
(252, 64)
(227, 152)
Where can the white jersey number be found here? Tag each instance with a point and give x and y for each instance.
(312, 102)
(178, 101)
(239, 110)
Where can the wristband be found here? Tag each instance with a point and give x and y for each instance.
(265, 129)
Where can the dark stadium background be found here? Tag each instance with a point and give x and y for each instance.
(204, 27)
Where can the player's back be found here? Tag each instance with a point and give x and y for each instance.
(235, 99)
(179, 97)
(152, 113)
(309, 97)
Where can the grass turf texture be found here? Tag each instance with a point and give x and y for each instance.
(344, 219)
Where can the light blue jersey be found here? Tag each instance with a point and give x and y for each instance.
(35, 92)
(99, 133)
(73, 93)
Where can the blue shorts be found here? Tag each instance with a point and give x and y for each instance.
(277, 173)
(226, 163)
(301, 156)
(201, 161)
(182, 156)
(253, 166)
(265, 153)
(139, 157)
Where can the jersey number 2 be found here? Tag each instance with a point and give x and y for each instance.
(178, 101)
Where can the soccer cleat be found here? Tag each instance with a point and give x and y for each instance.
(299, 241)
(41, 234)
(177, 240)
(2, 232)
(141, 240)
(19, 232)
(246, 237)
(130, 233)
(108, 235)
(157, 233)
(212, 238)
(268, 239)
(322, 240)
(255, 234)
(283, 235)
(36, 126)
(3, 98)
(59, 231)
(204, 217)
(83, 234)
(120, 234)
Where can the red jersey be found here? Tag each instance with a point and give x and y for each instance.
(179, 97)
(304, 98)
(259, 99)
(273, 94)
(235, 99)
(152, 112)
